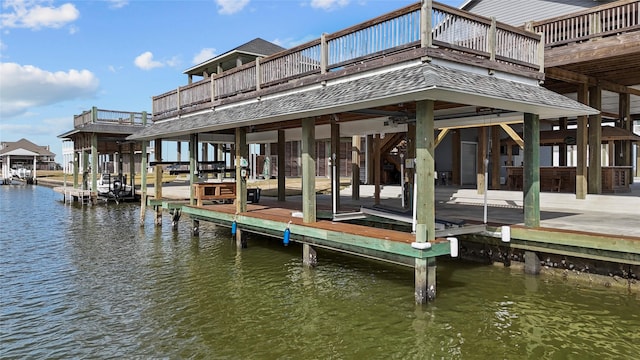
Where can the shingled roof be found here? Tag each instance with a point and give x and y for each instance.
(404, 84)
(24, 144)
(255, 48)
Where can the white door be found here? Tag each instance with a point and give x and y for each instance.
(468, 162)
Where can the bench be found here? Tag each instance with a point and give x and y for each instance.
(214, 191)
(222, 191)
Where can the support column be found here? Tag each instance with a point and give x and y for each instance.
(76, 169)
(132, 169)
(425, 286)
(309, 170)
(94, 164)
(376, 164)
(595, 142)
(335, 162)
(624, 113)
(581, 144)
(242, 157)
(193, 166)
(562, 148)
(531, 181)
(179, 150)
(455, 153)
(143, 181)
(355, 167)
(85, 169)
(157, 184)
(482, 155)
(531, 263)
(369, 157)
(495, 157)
(281, 166)
(308, 182)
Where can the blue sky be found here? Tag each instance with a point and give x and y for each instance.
(59, 58)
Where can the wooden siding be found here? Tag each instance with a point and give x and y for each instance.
(518, 12)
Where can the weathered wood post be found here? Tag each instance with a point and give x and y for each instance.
(76, 168)
(242, 158)
(281, 166)
(355, 167)
(377, 165)
(308, 182)
(594, 183)
(531, 181)
(335, 163)
(157, 186)
(482, 155)
(531, 184)
(581, 142)
(143, 181)
(193, 166)
(425, 269)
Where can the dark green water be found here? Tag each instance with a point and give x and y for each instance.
(90, 283)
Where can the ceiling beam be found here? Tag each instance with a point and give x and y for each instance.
(441, 136)
(513, 135)
(576, 78)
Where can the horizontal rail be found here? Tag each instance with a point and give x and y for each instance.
(598, 21)
(101, 116)
(450, 29)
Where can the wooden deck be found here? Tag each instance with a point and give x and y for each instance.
(271, 218)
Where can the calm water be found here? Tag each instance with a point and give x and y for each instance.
(90, 283)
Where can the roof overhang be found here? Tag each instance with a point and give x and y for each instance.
(20, 152)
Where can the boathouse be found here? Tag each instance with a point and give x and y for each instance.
(22, 156)
(100, 147)
(422, 68)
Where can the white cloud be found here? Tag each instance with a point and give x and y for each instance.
(117, 4)
(328, 4)
(45, 127)
(26, 86)
(204, 55)
(35, 14)
(145, 61)
(228, 7)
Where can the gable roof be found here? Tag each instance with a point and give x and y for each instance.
(255, 48)
(24, 144)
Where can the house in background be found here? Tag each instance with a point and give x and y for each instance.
(23, 154)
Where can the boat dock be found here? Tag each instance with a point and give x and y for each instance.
(570, 228)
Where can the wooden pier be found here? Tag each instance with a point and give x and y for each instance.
(71, 194)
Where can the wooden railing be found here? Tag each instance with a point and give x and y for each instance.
(445, 27)
(614, 18)
(95, 116)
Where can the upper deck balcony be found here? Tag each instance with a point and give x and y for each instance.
(598, 22)
(110, 117)
(594, 46)
(424, 30)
